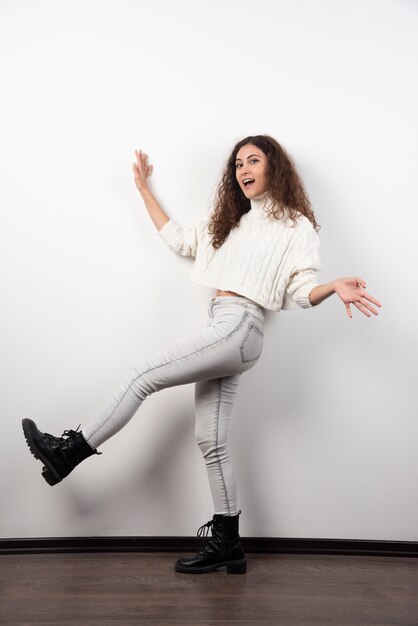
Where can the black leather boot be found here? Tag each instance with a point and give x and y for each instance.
(222, 549)
(59, 454)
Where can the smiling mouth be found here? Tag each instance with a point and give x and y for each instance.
(247, 182)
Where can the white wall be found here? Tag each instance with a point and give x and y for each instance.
(325, 427)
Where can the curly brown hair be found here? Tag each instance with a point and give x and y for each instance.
(286, 190)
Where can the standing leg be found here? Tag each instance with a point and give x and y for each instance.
(214, 404)
(214, 400)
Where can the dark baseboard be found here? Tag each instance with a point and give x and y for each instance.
(259, 545)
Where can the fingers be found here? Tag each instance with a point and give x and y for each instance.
(362, 304)
(369, 297)
(362, 299)
(142, 162)
(138, 161)
(362, 308)
(351, 291)
(372, 309)
(364, 296)
(141, 155)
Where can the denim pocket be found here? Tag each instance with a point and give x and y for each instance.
(252, 344)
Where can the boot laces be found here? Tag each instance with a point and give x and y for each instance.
(71, 434)
(51, 439)
(204, 530)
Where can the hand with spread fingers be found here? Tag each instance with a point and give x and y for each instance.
(141, 169)
(351, 290)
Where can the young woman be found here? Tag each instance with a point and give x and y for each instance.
(260, 250)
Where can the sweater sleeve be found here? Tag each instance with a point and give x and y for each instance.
(182, 239)
(303, 278)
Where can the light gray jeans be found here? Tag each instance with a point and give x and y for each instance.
(213, 358)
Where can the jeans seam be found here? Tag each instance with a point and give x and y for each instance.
(168, 363)
(216, 446)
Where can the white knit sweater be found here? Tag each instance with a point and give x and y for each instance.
(262, 258)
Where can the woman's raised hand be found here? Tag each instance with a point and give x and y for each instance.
(351, 290)
(141, 169)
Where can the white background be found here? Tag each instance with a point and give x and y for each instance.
(325, 428)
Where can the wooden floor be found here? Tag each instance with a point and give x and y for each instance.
(143, 588)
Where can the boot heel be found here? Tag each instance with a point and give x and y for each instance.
(50, 478)
(238, 567)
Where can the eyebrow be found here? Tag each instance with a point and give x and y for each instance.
(249, 157)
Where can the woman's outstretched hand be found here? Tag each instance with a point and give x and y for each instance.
(141, 169)
(351, 290)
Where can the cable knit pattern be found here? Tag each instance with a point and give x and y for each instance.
(267, 260)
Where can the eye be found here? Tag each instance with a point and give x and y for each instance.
(238, 164)
(254, 161)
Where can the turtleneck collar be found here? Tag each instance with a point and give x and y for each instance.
(258, 206)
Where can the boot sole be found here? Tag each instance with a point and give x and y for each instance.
(232, 567)
(48, 472)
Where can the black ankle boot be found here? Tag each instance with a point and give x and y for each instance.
(60, 455)
(223, 548)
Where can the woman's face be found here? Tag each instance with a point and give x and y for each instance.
(251, 166)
